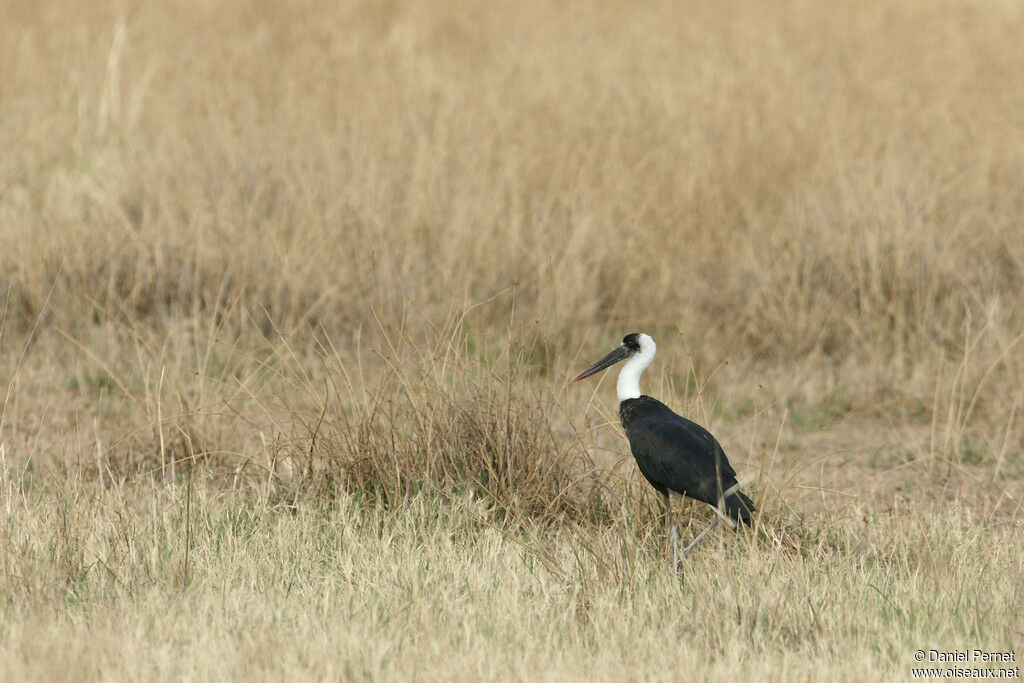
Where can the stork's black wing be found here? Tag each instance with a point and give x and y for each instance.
(675, 453)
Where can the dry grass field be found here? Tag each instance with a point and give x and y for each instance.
(290, 294)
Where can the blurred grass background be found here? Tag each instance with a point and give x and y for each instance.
(298, 253)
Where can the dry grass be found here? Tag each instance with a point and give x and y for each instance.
(290, 295)
(432, 590)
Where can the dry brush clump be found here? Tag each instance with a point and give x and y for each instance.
(443, 419)
(499, 446)
(289, 417)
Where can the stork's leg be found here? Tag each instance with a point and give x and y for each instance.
(700, 536)
(673, 535)
(675, 546)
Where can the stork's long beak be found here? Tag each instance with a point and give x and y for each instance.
(620, 353)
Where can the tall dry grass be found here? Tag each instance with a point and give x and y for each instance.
(94, 588)
(306, 265)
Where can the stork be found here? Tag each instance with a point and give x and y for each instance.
(674, 454)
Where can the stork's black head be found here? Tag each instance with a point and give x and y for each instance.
(632, 342)
(631, 345)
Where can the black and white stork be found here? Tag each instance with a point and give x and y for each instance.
(674, 454)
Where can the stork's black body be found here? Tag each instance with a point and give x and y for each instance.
(674, 454)
(677, 455)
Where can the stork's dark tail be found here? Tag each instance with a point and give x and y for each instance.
(739, 507)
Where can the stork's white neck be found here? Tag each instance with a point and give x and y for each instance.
(628, 385)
